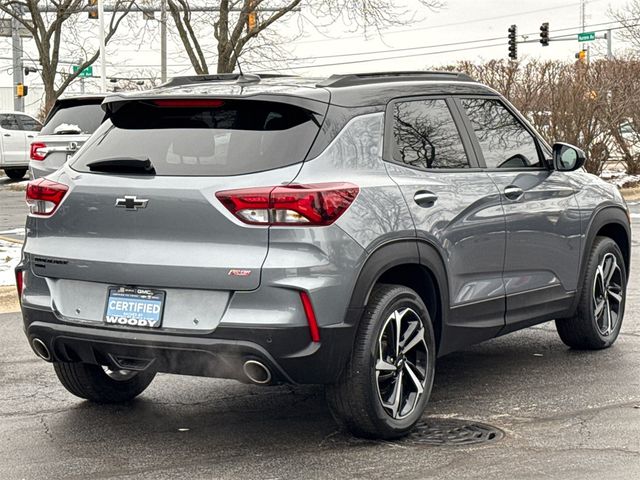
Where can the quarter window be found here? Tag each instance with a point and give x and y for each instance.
(504, 141)
(425, 135)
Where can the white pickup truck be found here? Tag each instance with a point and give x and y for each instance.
(17, 131)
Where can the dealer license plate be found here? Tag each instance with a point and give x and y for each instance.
(134, 307)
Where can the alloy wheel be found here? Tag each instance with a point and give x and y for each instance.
(401, 363)
(607, 294)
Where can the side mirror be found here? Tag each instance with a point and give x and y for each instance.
(567, 158)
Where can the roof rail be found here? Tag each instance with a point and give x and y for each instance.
(349, 80)
(220, 77)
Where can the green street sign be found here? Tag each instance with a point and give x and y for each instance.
(586, 36)
(87, 72)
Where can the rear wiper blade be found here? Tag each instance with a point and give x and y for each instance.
(134, 165)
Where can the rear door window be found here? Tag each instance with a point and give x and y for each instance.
(74, 117)
(210, 138)
(30, 124)
(425, 135)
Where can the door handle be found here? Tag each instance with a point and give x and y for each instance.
(7, 134)
(29, 136)
(425, 198)
(513, 193)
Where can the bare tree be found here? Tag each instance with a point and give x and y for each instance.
(47, 32)
(629, 17)
(238, 24)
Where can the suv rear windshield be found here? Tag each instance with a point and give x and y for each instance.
(86, 115)
(203, 137)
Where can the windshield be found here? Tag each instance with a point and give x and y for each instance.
(82, 118)
(229, 137)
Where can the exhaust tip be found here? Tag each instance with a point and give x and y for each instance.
(257, 372)
(41, 349)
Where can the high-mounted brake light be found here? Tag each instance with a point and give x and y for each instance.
(295, 205)
(188, 103)
(37, 151)
(44, 196)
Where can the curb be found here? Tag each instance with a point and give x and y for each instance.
(9, 299)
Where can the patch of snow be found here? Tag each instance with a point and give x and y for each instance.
(620, 179)
(66, 128)
(13, 231)
(10, 254)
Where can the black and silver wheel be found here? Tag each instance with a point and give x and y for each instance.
(101, 384)
(385, 386)
(602, 298)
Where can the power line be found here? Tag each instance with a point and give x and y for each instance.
(452, 24)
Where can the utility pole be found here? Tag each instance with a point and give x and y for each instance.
(103, 59)
(583, 22)
(18, 73)
(609, 45)
(163, 40)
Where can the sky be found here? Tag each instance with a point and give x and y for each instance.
(337, 50)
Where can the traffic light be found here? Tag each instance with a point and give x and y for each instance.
(544, 34)
(21, 90)
(252, 17)
(582, 56)
(513, 45)
(93, 9)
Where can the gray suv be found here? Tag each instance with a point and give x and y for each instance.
(343, 231)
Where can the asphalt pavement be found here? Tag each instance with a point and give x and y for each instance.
(565, 414)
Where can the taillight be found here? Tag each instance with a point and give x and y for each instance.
(303, 205)
(44, 196)
(37, 151)
(19, 283)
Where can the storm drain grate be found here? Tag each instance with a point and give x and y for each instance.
(446, 431)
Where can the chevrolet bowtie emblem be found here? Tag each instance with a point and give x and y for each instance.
(131, 202)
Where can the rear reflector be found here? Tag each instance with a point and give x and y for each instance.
(311, 317)
(19, 283)
(44, 196)
(188, 103)
(295, 205)
(37, 152)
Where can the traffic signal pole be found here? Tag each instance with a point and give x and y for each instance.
(103, 58)
(18, 73)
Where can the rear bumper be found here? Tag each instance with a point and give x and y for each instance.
(288, 352)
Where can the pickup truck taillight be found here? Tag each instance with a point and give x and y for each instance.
(44, 196)
(37, 152)
(294, 205)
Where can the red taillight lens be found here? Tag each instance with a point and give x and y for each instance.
(311, 205)
(44, 196)
(19, 283)
(188, 103)
(314, 331)
(37, 152)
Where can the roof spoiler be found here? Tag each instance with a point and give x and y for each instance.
(221, 77)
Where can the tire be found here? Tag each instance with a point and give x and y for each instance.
(15, 173)
(603, 288)
(93, 383)
(356, 400)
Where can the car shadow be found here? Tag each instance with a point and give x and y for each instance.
(195, 416)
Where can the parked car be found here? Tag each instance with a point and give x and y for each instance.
(345, 231)
(16, 131)
(68, 125)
